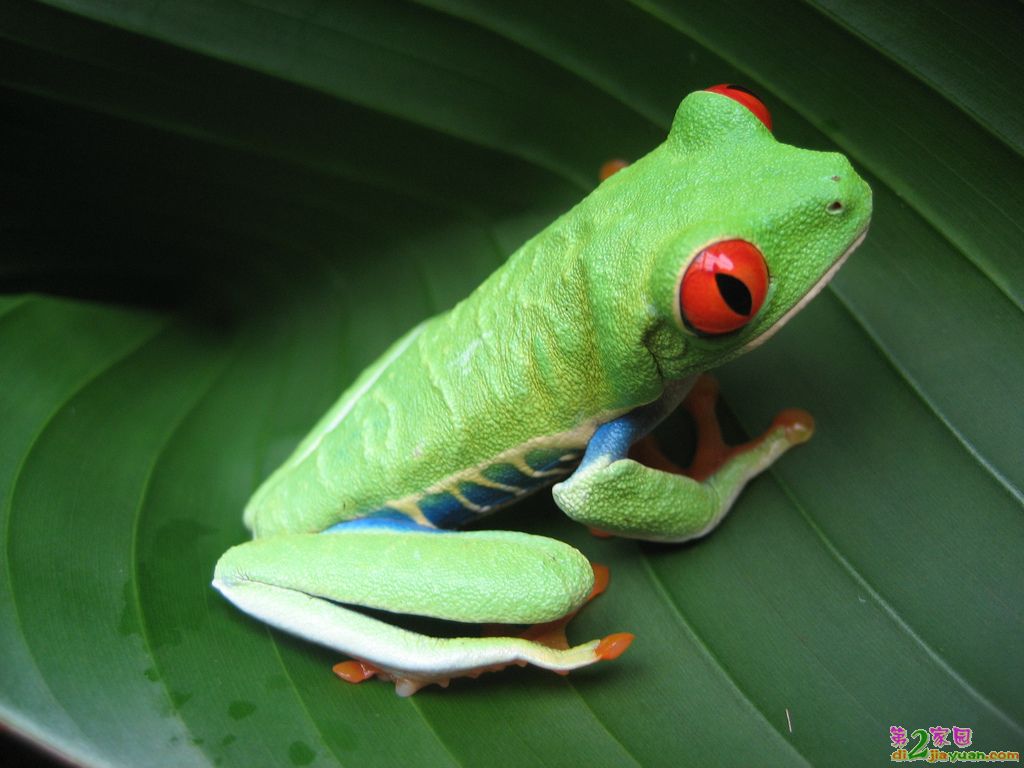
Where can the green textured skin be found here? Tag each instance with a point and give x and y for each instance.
(549, 578)
(581, 324)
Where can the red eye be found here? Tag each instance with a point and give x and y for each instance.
(724, 287)
(747, 99)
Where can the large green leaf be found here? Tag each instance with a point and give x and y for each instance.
(216, 213)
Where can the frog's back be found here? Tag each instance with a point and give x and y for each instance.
(467, 411)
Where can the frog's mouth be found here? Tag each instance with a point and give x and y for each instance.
(815, 290)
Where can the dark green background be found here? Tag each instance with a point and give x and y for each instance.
(216, 213)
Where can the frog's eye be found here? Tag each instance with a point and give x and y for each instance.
(724, 287)
(747, 98)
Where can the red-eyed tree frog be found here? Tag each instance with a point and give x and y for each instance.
(552, 371)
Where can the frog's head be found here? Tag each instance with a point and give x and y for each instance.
(753, 229)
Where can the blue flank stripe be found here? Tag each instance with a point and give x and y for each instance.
(483, 496)
(542, 459)
(506, 474)
(446, 511)
(381, 520)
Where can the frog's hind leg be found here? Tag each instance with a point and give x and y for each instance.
(552, 633)
(312, 584)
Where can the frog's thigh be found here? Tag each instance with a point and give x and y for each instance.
(298, 582)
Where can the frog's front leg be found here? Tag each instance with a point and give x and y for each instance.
(305, 584)
(656, 500)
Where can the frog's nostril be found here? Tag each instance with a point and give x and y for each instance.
(836, 206)
(836, 178)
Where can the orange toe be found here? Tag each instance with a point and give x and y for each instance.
(354, 671)
(613, 646)
(798, 423)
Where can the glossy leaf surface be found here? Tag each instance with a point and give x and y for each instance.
(217, 213)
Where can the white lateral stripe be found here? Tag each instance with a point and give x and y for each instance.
(519, 462)
(815, 290)
(466, 502)
(479, 478)
(409, 508)
(364, 637)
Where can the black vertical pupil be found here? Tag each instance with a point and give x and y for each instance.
(735, 293)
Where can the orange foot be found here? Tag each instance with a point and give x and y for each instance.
(712, 450)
